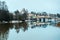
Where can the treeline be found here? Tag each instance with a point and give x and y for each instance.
(8, 16)
(5, 15)
(21, 15)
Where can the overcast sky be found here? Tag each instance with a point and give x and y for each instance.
(49, 6)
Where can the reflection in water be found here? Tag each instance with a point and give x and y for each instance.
(4, 31)
(4, 27)
(22, 25)
(58, 24)
(42, 25)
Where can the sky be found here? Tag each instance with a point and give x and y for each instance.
(49, 6)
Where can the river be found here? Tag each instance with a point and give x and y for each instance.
(30, 31)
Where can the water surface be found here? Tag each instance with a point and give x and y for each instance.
(29, 31)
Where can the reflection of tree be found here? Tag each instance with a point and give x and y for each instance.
(22, 25)
(4, 29)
